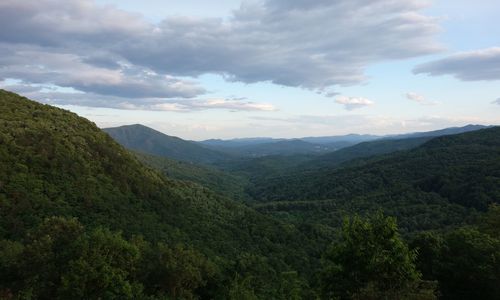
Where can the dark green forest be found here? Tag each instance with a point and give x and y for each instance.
(82, 217)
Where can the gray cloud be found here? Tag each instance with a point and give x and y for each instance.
(329, 43)
(496, 101)
(468, 66)
(119, 60)
(33, 64)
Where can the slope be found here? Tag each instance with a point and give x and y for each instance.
(54, 163)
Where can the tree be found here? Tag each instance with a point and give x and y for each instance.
(429, 246)
(469, 266)
(371, 257)
(178, 271)
(102, 269)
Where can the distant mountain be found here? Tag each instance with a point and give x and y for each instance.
(262, 146)
(440, 132)
(383, 145)
(260, 169)
(147, 140)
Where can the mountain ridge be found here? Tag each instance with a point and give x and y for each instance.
(145, 139)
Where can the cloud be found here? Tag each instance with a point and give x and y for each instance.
(496, 101)
(54, 97)
(419, 99)
(351, 103)
(467, 66)
(331, 94)
(36, 65)
(329, 43)
(310, 44)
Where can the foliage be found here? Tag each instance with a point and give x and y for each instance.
(224, 183)
(54, 163)
(371, 256)
(60, 260)
(465, 261)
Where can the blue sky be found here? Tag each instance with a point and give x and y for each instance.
(224, 69)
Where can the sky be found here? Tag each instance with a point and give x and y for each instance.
(202, 69)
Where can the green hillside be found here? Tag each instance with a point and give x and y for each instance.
(440, 183)
(225, 183)
(56, 164)
(144, 139)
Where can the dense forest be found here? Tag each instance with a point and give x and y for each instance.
(81, 217)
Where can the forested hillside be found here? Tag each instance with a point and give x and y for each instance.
(57, 166)
(83, 218)
(440, 183)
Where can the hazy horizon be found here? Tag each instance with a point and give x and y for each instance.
(307, 136)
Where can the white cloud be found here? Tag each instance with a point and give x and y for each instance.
(468, 66)
(351, 103)
(419, 99)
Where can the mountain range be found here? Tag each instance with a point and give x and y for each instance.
(147, 140)
(132, 213)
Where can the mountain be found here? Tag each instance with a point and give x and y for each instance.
(440, 183)
(440, 132)
(258, 147)
(81, 217)
(260, 169)
(147, 140)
